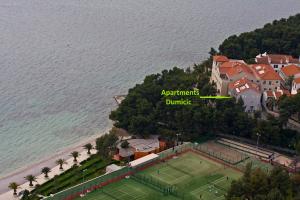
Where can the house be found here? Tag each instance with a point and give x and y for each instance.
(225, 71)
(248, 91)
(266, 77)
(277, 61)
(215, 75)
(290, 71)
(270, 98)
(295, 86)
(138, 148)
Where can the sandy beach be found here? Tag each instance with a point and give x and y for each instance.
(35, 169)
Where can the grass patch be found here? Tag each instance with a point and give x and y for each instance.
(192, 176)
(93, 167)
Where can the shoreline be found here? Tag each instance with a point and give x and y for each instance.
(35, 168)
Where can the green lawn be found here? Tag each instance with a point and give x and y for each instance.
(127, 189)
(192, 176)
(92, 167)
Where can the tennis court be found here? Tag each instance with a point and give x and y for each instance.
(186, 176)
(126, 189)
(194, 176)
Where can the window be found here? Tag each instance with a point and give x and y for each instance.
(275, 66)
(264, 82)
(270, 82)
(282, 65)
(276, 81)
(275, 88)
(265, 89)
(257, 81)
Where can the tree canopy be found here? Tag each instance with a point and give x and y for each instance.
(257, 184)
(144, 110)
(280, 37)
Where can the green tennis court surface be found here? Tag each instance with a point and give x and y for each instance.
(188, 176)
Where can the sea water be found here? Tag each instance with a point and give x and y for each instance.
(62, 61)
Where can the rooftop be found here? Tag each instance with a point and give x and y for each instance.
(277, 94)
(276, 59)
(243, 85)
(265, 72)
(138, 145)
(220, 58)
(297, 80)
(234, 68)
(291, 70)
(143, 160)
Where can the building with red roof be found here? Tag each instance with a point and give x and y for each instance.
(220, 58)
(290, 71)
(225, 72)
(248, 91)
(296, 86)
(266, 77)
(277, 61)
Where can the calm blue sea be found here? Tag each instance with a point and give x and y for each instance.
(62, 61)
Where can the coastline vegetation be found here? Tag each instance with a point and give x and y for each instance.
(92, 167)
(279, 37)
(144, 112)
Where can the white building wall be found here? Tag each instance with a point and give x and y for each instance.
(295, 88)
(251, 100)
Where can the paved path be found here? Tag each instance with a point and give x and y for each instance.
(41, 179)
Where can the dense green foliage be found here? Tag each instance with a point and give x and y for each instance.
(289, 107)
(258, 185)
(106, 144)
(88, 169)
(144, 111)
(281, 36)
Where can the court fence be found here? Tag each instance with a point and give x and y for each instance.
(101, 181)
(106, 179)
(221, 156)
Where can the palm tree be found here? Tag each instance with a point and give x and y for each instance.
(14, 186)
(75, 155)
(88, 147)
(61, 162)
(30, 178)
(45, 171)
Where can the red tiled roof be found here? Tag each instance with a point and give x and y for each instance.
(297, 80)
(234, 68)
(242, 85)
(276, 59)
(291, 70)
(277, 94)
(220, 58)
(265, 72)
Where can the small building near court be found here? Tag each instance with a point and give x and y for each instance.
(143, 160)
(112, 168)
(138, 148)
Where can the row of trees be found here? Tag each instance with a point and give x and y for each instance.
(259, 185)
(46, 170)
